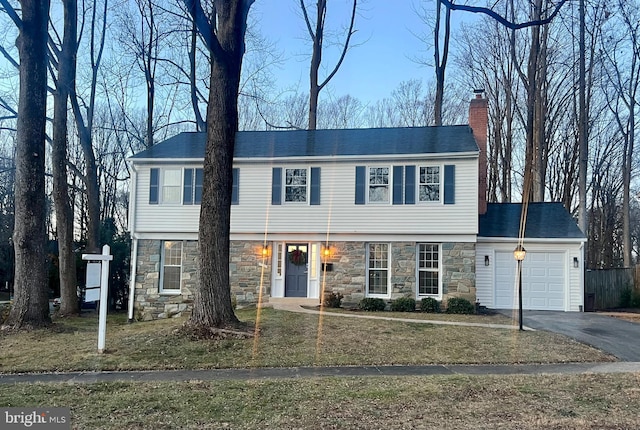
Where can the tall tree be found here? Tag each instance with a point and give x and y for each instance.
(84, 115)
(440, 58)
(622, 67)
(31, 304)
(223, 31)
(66, 62)
(317, 39)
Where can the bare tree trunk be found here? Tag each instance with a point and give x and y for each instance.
(317, 38)
(31, 304)
(64, 211)
(582, 127)
(193, 85)
(85, 131)
(440, 63)
(212, 299)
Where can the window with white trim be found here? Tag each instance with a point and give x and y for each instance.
(378, 270)
(171, 186)
(428, 269)
(379, 185)
(171, 272)
(295, 185)
(429, 184)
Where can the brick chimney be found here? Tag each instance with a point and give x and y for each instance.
(478, 121)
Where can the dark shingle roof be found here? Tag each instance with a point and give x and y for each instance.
(318, 143)
(544, 220)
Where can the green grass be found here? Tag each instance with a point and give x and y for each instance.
(284, 339)
(429, 402)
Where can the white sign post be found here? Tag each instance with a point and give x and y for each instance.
(104, 258)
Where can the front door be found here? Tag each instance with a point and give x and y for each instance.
(295, 281)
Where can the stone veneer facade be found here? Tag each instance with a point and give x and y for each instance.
(250, 274)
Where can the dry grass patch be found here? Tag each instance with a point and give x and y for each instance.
(436, 402)
(284, 339)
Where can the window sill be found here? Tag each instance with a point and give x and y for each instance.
(170, 293)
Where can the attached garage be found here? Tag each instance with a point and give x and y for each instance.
(552, 271)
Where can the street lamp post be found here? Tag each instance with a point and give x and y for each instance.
(519, 253)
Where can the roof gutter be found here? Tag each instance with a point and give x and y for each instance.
(134, 239)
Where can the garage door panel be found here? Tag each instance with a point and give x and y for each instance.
(543, 281)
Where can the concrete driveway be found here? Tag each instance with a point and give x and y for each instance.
(613, 335)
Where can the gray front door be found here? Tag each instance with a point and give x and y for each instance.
(295, 281)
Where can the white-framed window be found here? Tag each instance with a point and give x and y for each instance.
(429, 182)
(379, 184)
(171, 271)
(428, 269)
(171, 186)
(295, 185)
(378, 270)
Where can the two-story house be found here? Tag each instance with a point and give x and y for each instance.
(385, 212)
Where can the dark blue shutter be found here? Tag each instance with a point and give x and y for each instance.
(409, 185)
(154, 186)
(361, 184)
(398, 179)
(235, 188)
(315, 186)
(449, 184)
(197, 188)
(187, 187)
(276, 186)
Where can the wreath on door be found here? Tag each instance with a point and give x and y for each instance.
(298, 257)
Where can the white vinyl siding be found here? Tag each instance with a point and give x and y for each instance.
(337, 213)
(548, 261)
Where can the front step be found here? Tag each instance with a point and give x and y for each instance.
(299, 301)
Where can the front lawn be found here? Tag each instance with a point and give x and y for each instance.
(415, 402)
(284, 339)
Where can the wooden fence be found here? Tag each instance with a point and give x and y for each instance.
(603, 288)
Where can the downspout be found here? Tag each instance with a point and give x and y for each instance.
(134, 238)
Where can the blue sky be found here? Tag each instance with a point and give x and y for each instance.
(371, 70)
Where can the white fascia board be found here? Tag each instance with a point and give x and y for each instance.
(346, 237)
(167, 161)
(531, 240)
(313, 159)
(166, 236)
(359, 158)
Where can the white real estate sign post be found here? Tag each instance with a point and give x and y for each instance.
(104, 259)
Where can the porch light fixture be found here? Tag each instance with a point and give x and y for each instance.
(486, 260)
(519, 253)
(326, 252)
(266, 251)
(576, 263)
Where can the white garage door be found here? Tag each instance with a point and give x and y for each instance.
(543, 281)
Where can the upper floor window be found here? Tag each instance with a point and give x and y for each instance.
(429, 185)
(379, 184)
(171, 185)
(192, 189)
(295, 186)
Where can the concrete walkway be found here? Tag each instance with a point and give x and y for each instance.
(292, 307)
(317, 372)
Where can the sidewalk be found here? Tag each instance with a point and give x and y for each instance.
(318, 372)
